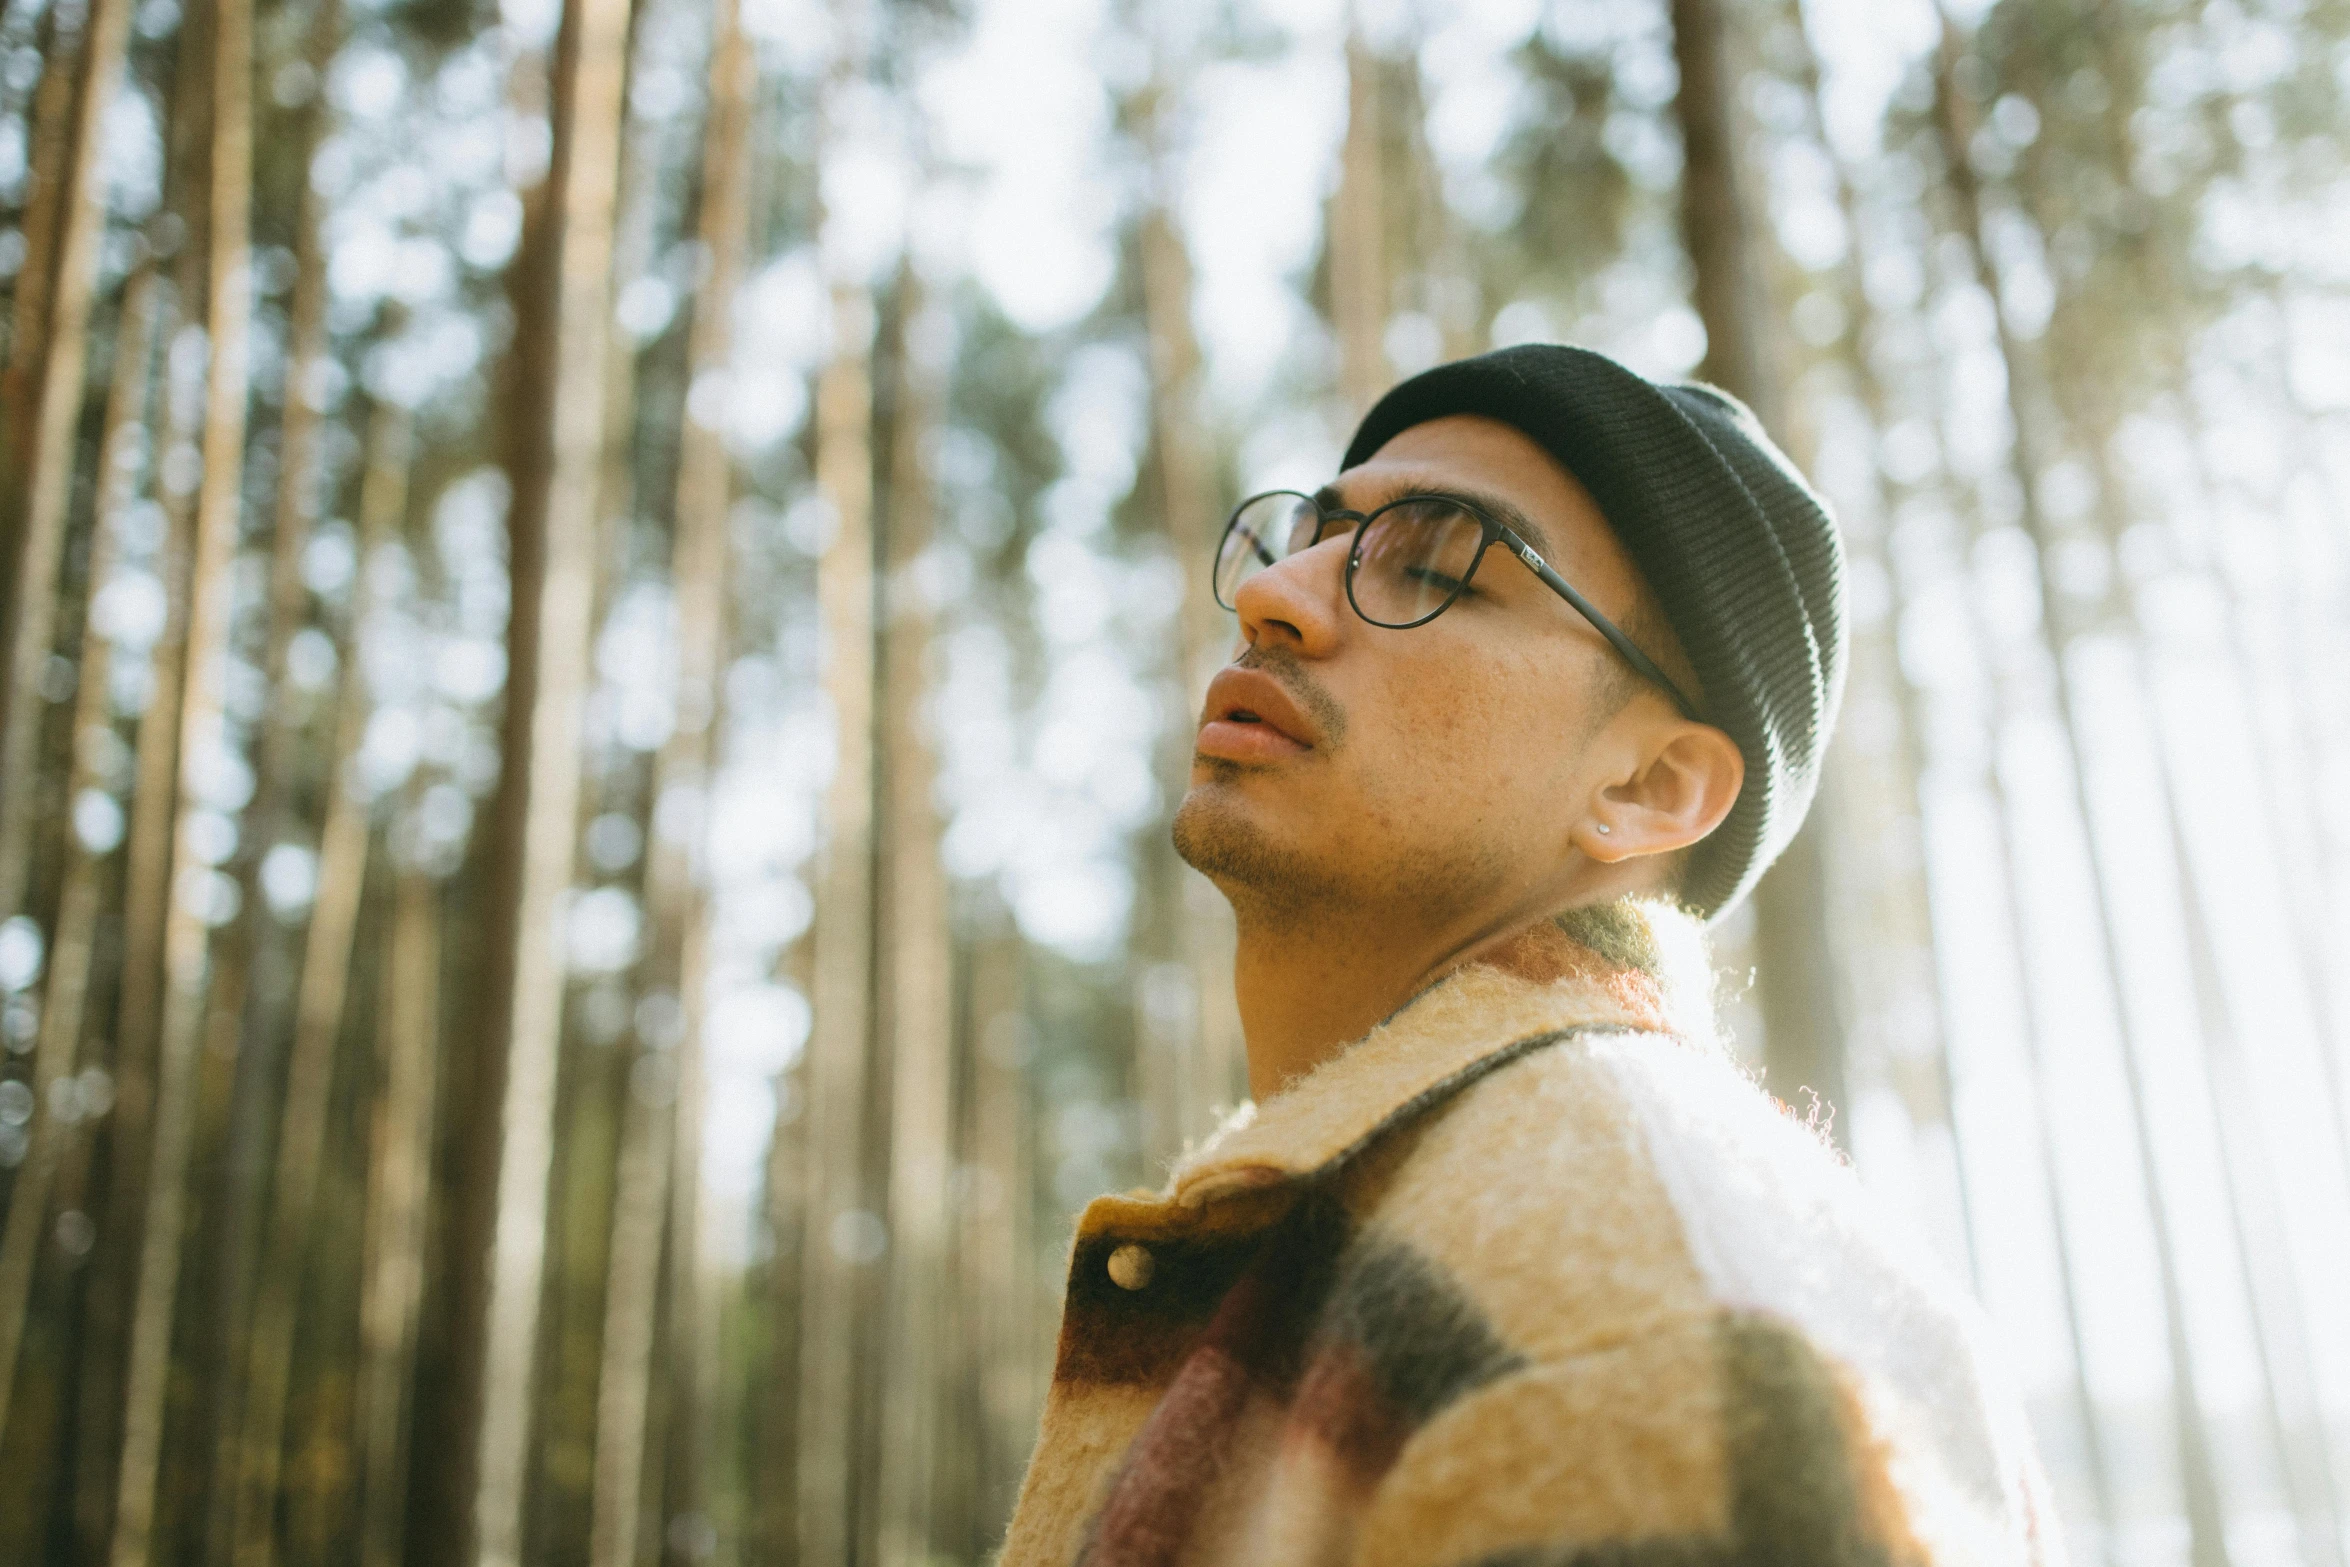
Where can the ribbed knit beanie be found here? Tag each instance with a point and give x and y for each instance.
(1739, 550)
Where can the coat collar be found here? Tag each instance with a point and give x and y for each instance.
(1620, 966)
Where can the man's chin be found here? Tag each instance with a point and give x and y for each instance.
(1218, 834)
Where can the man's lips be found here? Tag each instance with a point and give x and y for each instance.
(1249, 718)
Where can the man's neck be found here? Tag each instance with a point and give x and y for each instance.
(1310, 986)
(1306, 992)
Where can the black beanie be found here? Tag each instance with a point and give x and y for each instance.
(1739, 550)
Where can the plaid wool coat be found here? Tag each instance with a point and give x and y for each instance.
(1525, 1276)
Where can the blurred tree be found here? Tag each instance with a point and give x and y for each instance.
(69, 195)
(318, 1027)
(845, 1232)
(209, 777)
(564, 283)
(1360, 290)
(147, 889)
(1004, 1296)
(1899, 907)
(50, 134)
(1803, 1013)
(66, 995)
(660, 1153)
(1952, 116)
(1572, 196)
(408, 1047)
(1188, 1052)
(2116, 330)
(246, 1443)
(914, 1023)
(1392, 275)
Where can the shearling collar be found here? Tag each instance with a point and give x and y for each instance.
(1621, 966)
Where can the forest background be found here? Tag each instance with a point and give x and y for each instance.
(604, 601)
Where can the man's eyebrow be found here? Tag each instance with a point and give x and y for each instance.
(1501, 510)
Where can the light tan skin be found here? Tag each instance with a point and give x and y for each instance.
(1464, 769)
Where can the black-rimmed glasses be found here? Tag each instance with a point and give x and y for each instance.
(1409, 561)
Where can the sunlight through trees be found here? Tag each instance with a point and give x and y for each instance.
(604, 602)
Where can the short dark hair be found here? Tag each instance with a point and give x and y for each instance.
(1643, 620)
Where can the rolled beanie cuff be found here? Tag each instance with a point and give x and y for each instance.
(1740, 552)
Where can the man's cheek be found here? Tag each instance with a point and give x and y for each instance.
(1424, 764)
(1459, 716)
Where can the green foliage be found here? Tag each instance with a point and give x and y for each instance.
(1574, 196)
(998, 389)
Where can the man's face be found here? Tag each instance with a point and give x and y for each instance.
(1440, 767)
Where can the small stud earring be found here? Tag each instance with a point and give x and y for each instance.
(1603, 828)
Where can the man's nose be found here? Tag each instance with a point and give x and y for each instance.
(1298, 602)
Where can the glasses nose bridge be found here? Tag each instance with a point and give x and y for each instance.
(1330, 515)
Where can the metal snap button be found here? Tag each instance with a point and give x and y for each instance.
(1130, 1266)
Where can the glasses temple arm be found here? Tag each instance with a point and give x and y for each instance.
(1645, 666)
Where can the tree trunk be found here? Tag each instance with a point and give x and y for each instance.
(45, 479)
(998, 1274)
(98, 1307)
(777, 1302)
(917, 1022)
(318, 1028)
(591, 69)
(2205, 1513)
(1909, 908)
(65, 994)
(446, 1473)
(203, 744)
(154, 807)
(1803, 1024)
(593, 1089)
(839, 1214)
(840, 1224)
(146, 906)
(252, 1062)
(1191, 1052)
(1357, 249)
(658, 1156)
(2094, 406)
(50, 133)
(399, 1175)
(694, 1323)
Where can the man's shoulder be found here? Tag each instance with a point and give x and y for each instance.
(1552, 1123)
(1552, 1184)
(1626, 1207)
(1666, 1165)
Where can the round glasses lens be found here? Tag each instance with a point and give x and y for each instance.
(1415, 558)
(1265, 530)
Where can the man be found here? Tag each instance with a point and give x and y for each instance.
(1508, 1263)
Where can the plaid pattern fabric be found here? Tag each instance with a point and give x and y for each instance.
(1521, 1278)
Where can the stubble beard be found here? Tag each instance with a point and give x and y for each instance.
(1259, 876)
(1268, 881)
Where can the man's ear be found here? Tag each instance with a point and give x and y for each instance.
(1682, 783)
